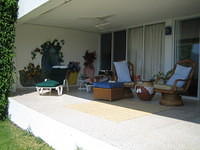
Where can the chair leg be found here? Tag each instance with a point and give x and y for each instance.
(87, 88)
(67, 85)
(39, 90)
(50, 90)
(171, 100)
(59, 90)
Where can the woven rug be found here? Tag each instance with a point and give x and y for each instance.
(118, 110)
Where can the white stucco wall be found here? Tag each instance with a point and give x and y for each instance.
(29, 37)
(26, 6)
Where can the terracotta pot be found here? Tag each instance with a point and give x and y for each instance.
(89, 71)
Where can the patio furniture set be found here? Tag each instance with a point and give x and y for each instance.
(122, 85)
(123, 82)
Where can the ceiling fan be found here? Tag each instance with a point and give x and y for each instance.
(101, 22)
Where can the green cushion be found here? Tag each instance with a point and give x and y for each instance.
(48, 83)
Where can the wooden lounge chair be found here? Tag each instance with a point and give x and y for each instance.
(175, 86)
(124, 74)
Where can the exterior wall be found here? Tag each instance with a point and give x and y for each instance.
(49, 130)
(29, 37)
(26, 6)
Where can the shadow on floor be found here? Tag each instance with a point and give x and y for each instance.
(22, 91)
(190, 111)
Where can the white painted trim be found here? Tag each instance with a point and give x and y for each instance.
(143, 50)
(112, 50)
(127, 40)
(173, 44)
(198, 94)
(99, 55)
(175, 51)
(56, 134)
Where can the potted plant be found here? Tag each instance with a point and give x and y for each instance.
(161, 78)
(89, 69)
(30, 75)
(74, 68)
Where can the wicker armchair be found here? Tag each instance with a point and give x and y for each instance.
(127, 85)
(171, 94)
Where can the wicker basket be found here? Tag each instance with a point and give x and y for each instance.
(143, 93)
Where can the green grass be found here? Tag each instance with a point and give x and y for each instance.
(13, 138)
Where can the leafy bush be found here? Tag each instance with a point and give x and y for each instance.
(31, 75)
(8, 17)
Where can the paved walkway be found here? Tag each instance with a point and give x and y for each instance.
(177, 128)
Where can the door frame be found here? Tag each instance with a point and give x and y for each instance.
(176, 53)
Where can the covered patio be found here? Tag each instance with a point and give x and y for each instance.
(75, 119)
(153, 35)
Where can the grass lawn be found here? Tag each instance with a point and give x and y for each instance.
(13, 138)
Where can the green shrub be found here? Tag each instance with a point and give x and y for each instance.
(8, 17)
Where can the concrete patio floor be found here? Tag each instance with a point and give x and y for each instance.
(177, 128)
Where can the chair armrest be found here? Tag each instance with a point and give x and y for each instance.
(175, 83)
(159, 79)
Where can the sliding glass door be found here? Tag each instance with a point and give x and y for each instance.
(113, 48)
(188, 47)
(106, 51)
(119, 46)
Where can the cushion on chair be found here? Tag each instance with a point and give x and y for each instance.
(162, 86)
(122, 71)
(48, 83)
(181, 72)
(108, 85)
(129, 84)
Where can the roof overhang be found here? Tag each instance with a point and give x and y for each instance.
(126, 13)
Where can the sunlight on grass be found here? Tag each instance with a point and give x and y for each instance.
(13, 138)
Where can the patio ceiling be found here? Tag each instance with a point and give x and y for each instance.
(125, 13)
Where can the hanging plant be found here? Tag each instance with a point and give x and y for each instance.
(89, 69)
(30, 75)
(45, 47)
(51, 55)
